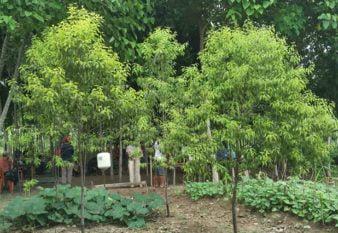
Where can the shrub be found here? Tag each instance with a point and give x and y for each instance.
(313, 201)
(197, 190)
(61, 205)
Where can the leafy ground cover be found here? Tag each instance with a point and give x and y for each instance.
(312, 201)
(198, 190)
(61, 205)
(207, 215)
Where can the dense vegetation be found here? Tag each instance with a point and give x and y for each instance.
(243, 76)
(198, 190)
(313, 201)
(61, 205)
(310, 200)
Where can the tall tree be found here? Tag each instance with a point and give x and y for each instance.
(71, 80)
(258, 105)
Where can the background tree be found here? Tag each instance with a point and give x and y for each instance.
(72, 78)
(18, 21)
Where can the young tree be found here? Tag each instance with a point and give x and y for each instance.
(71, 81)
(258, 103)
(157, 78)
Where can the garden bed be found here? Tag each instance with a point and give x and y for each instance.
(206, 215)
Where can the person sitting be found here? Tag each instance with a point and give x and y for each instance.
(7, 177)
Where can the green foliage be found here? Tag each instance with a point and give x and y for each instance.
(63, 207)
(254, 92)
(290, 20)
(313, 201)
(262, 109)
(198, 190)
(157, 76)
(27, 14)
(71, 81)
(125, 22)
(329, 17)
(28, 185)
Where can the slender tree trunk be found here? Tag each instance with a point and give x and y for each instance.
(276, 171)
(0, 105)
(166, 193)
(79, 147)
(111, 148)
(284, 169)
(328, 170)
(3, 53)
(32, 171)
(215, 175)
(234, 196)
(120, 156)
(201, 28)
(15, 76)
(151, 170)
(174, 176)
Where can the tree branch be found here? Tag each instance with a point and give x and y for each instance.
(15, 76)
(3, 53)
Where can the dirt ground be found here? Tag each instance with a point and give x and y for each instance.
(206, 215)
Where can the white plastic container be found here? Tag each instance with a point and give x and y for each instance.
(103, 160)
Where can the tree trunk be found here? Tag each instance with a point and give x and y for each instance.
(15, 76)
(3, 54)
(166, 193)
(111, 148)
(328, 170)
(82, 182)
(276, 171)
(120, 158)
(151, 170)
(215, 176)
(174, 176)
(234, 196)
(201, 29)
(32, 171)
(284, 169)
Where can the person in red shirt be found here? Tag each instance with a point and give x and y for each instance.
(6, 165)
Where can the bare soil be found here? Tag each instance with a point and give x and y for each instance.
(206, 215)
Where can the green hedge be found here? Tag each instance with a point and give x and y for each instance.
(62, 206)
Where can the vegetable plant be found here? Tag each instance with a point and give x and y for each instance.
(198, 190)
(313, 201)
(61, 205)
